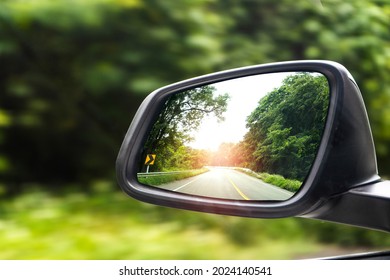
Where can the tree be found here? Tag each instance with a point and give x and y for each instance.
(286, 128)
(181, 115)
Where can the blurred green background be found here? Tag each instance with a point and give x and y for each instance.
(72, 74)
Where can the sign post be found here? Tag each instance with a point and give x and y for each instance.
(150, 158)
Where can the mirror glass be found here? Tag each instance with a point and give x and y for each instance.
(249, 138)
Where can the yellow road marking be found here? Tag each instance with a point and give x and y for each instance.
(237, 189)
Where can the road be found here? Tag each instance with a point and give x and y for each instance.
(229, 184)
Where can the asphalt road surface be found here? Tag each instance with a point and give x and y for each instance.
(227, 183)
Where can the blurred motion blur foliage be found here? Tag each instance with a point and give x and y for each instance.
(107, 225)
(73, 72)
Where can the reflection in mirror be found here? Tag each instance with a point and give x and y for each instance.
(250, 138)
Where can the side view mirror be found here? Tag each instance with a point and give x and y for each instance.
(250, 138)
(267, 141)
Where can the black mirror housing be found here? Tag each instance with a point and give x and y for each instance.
(345, 158)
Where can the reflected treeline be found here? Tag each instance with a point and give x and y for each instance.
(286, 128)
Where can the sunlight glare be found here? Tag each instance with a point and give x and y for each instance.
(245, 93)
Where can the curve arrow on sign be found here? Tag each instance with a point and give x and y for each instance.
(150, 158)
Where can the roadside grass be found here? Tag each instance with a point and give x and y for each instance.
(157, 180)
(280, 181)
(274, 179)
(106, 224)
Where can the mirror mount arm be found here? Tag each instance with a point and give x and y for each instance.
(365, 206)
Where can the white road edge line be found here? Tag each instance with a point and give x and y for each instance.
(184, 185)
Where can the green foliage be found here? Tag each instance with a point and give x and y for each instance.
(285, 129)
(105, 224)
(182, 113)
(74, 72)
(38, 225)
(354, 33)
(280, 181)
(274, 179)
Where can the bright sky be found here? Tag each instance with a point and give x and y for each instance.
(245, 94)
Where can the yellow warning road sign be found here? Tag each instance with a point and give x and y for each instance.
(150, 158)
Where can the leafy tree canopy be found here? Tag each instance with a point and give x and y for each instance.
(182, 114)
(286, 128)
